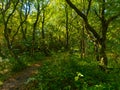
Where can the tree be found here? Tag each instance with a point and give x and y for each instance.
(37, 5)
(6, 20)
(100, 38)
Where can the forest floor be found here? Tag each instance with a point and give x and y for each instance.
(17, 80)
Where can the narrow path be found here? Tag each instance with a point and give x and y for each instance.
(17, 81)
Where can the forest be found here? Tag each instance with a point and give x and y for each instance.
(59, 45)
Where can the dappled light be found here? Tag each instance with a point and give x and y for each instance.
(59, 45)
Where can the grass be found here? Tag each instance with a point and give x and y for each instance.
(64, 71)
(69, 72)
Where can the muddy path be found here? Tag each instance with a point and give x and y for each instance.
(17, 81)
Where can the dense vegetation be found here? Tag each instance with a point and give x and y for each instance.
(77, 42)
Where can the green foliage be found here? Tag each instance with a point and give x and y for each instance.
(24, 60)
(52, 75)
(18, 65)
(38, 56)
(62, 71)
(69, 72)
(4, 65)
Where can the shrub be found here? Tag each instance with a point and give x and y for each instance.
(18, 65)
(69, 72)
(58, 74)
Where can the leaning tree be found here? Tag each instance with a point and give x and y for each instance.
(102, 11)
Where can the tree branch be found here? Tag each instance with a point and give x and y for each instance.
(88, 26)
(89, 6)
(112, 18)
(97, 14)
(76, 9)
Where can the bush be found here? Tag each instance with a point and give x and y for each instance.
(69, 72)
(58, 74)
(4, 65)
(18, 65)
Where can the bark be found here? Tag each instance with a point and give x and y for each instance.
(100, 41)
(84, 17)
(23, 21)
(83, 42)
(45, 48)
(43, 22)
(6, 20)
(34, 29)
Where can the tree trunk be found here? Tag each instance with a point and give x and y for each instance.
(83, 42)
(43, 22)
(103, 57)
(101, 39)
(34, 30)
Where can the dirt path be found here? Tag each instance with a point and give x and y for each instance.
(17, 81)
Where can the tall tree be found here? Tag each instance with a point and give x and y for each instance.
(100, 38)
(37, 5)
(7, 12)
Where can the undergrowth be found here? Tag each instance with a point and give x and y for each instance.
(69, 72)
(64, 71)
